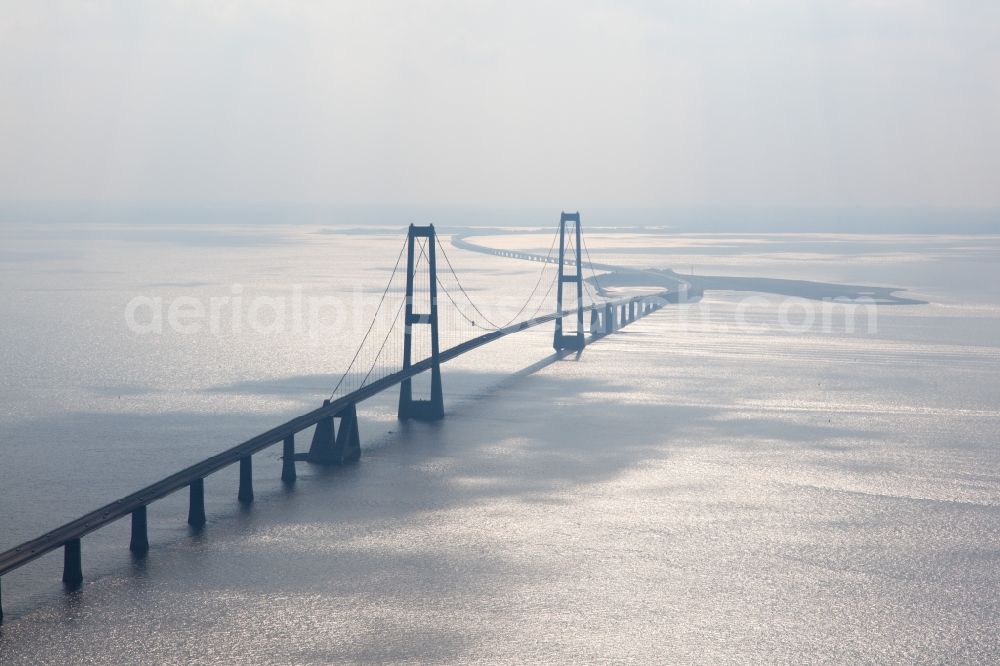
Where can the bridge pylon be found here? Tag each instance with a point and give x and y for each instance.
(573, 341)
(432, 409)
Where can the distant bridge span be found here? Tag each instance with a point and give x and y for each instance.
(462, 241)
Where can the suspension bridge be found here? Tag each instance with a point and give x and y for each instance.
(402, 341)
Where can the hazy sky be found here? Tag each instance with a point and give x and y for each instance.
(766, 102)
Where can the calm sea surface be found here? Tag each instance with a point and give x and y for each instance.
(720, 482)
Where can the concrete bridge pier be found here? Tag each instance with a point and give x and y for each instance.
(245, 494)
(595, 322)
(422, 410)
(321, 449)
(139, 544)
(336, 445)
(609, 319)
(347, 447)
(196, 504)
(72, 564)
(624, 315)
(288, 460)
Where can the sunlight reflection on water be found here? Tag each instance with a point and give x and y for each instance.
(689, 493)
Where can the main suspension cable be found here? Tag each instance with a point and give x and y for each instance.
(590, 263)
(458, 308)
(555, 278)
(541, 274)
(524, 306)
(392, 326)
(374, 319)
(461, 288)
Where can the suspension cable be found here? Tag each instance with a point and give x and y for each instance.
(586, 285)
(392, 326)
(461, 288)
(555, 278)
(527, 302)
(590, 262)
(458, 308)
(541, 274)
(374, 319)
